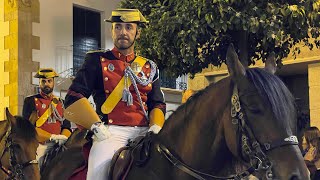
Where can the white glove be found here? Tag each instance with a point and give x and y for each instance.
(155, 129)
(100, 131)
(58, 138)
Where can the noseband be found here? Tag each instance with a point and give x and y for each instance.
(15, 171)
(248, 145)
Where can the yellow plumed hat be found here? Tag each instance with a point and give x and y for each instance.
(127, 15)
(46, 73)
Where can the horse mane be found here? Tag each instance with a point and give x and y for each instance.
(194, 100)
(270, 87)
(24, 128)
(274, 91)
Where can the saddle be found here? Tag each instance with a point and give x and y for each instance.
(136, 152)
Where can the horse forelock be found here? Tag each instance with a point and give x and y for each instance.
(24, 128)
(273, 90)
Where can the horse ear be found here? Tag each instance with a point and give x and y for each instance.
(235, 67)
(271, 65)
(11, 119)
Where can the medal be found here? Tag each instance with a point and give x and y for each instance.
(136, 68)
(55, 101)
(111, 67)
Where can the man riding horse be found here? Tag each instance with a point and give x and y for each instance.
(125, 88)
(45, 111)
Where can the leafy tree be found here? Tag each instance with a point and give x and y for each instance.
(185, 36)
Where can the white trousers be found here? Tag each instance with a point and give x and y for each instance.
(102, 152)
(42, 150)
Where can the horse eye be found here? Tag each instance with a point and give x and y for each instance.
(254, 109)
(251, 107)
(16, 146)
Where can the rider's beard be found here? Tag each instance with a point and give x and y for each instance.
(47, 90)
(123, 46)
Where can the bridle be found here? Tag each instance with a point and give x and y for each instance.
(248, 145)
(15, 170)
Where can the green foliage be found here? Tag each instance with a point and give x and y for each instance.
(185, 36)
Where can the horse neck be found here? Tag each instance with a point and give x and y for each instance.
(195, 131)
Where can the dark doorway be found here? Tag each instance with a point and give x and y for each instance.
(86, 34)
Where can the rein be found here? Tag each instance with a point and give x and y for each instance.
(250, 147)
(15, 171)
(195, 173)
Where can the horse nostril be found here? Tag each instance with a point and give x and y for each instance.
(295, 177)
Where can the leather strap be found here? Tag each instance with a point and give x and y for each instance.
(195, 173)
(116, 94)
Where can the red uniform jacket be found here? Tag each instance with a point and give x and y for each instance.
(100, 74)
(40, 103)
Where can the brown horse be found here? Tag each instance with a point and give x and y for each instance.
(244, 124)
(241, 125)
(18, 147)
(75, 142)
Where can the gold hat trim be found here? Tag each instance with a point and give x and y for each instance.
(46, 73)
(128, 15)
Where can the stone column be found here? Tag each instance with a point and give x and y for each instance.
(314, 95)
(16, 56)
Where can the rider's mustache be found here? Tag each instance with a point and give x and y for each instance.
(123, 38)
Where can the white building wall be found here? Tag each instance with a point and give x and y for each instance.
(56, 30)
(56, 38)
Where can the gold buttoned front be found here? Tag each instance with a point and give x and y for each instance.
(107, 91)
(149, 84)
(147, 66)
(102, 59)
(105, 68)
(106, 79)
(110, 121)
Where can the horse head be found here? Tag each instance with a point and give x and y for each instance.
(244, 124)
(18, 149)
(262, 128)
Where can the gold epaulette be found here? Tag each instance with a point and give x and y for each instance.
(144, 58)
(57, 98)
(95, 51)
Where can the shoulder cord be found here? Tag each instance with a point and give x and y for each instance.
(56, 113)
(144, 82)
